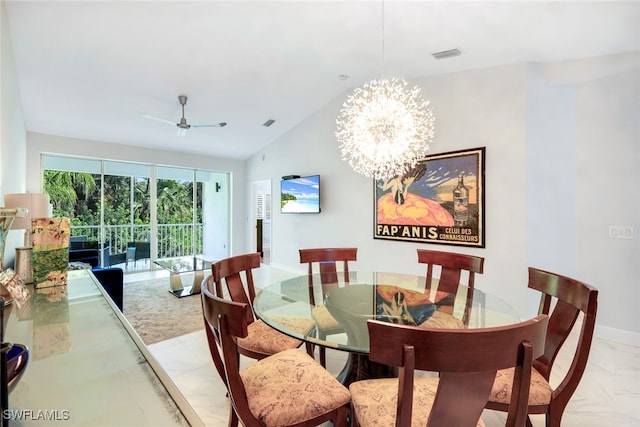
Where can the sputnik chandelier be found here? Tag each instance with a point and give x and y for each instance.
(384, 128)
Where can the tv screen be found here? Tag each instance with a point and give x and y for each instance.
(300, 195)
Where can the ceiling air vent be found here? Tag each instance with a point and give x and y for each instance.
(268, 123)
(447, 53)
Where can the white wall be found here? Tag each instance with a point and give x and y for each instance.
(608, 160)
(40, 143)
(13, 135)
(217, 217)
(551, 176)
(560, 156)
(12, 129)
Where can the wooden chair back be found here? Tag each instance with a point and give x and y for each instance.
(452, 264)
(572, 298)
(227, 275)
(565, 300)
(467, 360)
(225, 320)
(327, 260)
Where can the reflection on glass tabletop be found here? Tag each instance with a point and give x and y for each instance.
(392, 297)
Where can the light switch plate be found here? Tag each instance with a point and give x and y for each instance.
(620, 232)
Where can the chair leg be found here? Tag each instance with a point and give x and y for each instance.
(310, 348)
(342, 416)
(233, 417)
(553, 419)
(323, 356)
(353, 421)
(322, 350)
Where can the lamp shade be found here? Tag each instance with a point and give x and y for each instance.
(36, 204)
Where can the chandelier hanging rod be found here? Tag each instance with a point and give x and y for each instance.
(385, 127)
(382, 41)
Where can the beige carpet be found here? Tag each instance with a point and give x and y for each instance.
(157, 315)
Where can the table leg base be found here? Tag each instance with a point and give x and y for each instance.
(184, 292)
(180, 291)
(360, 367)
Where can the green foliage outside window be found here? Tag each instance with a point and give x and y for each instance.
(76, 195)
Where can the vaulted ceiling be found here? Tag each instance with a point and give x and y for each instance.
(90, 69)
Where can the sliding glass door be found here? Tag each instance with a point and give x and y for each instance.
(127, 212)
(179, 213)
(74, 187)
(161, 211)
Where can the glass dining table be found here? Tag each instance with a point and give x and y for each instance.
(392, 297)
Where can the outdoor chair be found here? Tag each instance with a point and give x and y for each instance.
(142, 250)
(466, 360)
(286, 389)
(571, 300)
(326, 259)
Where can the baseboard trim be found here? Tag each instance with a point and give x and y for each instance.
(617, 335)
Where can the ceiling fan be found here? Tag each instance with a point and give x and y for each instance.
(183, 125)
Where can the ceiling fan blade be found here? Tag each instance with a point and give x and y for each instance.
(216, 125)
(157, 119)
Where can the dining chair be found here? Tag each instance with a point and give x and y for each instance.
(466, 360)
(286, 389)
(327, 260)
(570, 299)
(262, 340)
(451, 266)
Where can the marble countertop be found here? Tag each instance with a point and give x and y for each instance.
(87, 366)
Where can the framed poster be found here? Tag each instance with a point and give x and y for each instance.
(440, 200)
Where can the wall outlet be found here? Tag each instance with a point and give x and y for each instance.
(620, 232)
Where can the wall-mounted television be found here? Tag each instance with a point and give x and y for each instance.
(300, 195)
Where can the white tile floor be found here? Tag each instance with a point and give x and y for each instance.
(609, 394)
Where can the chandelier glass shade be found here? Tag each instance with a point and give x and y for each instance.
(384, 128)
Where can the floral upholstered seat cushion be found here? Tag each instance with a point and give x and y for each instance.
(262, 338)
(539, 392)
(375, 401)
(442, 320)
(290, 387)
(324, 319)
(297, 324)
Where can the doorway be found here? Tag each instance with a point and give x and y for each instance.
(261, 241)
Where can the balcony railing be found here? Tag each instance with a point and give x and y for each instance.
(172, 240)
